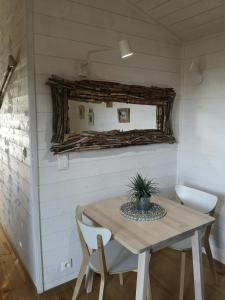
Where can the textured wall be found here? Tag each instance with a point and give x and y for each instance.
(64, 32)
(16, 202)
(202, 147)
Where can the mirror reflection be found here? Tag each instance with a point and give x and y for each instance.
(111, 116)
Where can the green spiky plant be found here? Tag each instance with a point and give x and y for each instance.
(142, 187)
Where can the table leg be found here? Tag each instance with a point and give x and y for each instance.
(142, 275)
(197, 266)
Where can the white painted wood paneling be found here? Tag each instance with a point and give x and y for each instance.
(95, 16)
(102, 37)
(167, 8)
(202, 147)
(148, 4)
(64, 32)
(187, 19)
(202, 10)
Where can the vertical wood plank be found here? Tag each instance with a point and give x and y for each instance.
(197, 266)
(142, 275)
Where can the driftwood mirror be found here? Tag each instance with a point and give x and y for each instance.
(92, 115)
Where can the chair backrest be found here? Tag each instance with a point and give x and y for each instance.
(196, 199)
(90, 233)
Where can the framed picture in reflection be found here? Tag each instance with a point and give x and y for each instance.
(123, 115)
(91, 117)
(81, 109)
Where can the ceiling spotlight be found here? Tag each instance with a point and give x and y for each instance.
(125, 49)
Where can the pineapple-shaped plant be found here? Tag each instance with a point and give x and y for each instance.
(141, 189)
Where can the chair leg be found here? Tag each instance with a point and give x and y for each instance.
(149, 290)
(89, 280)
(101, 290)
(80, 278)
(121, 278)
(210, 260)
(182, 275)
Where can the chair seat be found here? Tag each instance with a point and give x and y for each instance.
(182, 245)
(118, 259)
(186, 243)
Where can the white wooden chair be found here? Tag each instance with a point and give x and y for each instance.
(205, 203)
(108, 256)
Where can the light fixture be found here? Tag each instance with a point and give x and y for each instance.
(196, 72)
(84, 70)
(194, 67)
(125, 50)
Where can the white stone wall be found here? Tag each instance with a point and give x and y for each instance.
(16, 180)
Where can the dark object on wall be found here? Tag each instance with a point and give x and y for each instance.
(101, 91)
(7, 76)
(81, 112)
(109, 104)
(91, 117)
(123, 115)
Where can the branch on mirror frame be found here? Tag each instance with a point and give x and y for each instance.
(7, 76)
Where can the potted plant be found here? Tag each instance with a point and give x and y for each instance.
(141, 190)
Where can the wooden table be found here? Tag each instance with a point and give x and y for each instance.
(144, 238)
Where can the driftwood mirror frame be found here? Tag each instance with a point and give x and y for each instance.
(7, 76)
(101, 91)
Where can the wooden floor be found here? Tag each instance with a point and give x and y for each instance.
(15, 285)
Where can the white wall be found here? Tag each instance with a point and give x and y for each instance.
(106, 118)
(16, 166)
(202, 146)
(64, 32)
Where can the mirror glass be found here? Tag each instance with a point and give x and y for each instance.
(111, 116)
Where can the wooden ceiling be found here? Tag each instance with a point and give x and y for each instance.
(187, 19)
